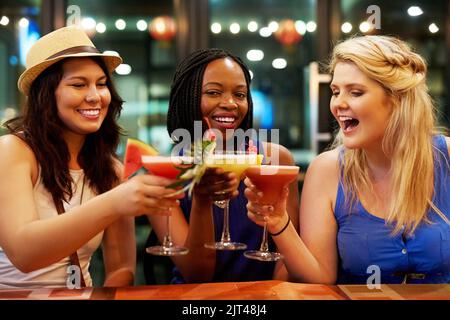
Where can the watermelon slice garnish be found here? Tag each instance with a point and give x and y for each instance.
(133, 156)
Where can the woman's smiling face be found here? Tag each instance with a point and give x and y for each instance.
(224, 95)
(360, 105)
(82, 96)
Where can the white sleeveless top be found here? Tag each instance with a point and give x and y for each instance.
(56, 274)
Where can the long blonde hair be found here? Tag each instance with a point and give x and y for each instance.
(407, 140)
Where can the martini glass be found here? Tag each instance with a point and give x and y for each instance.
(271, 180)
(237, 162)
(165, 167)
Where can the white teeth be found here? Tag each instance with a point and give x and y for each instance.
(90, 112)
(224, 119)
(344, 118)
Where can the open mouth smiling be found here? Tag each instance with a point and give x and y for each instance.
(348, 123)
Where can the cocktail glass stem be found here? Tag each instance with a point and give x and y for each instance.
(264, 243)
(226, 222)
(167, 242)
(167, 248)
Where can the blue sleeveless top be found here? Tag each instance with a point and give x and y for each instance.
(232, 266)
(365, 241)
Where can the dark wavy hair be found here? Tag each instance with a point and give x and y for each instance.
(42, 130)
(186, 90)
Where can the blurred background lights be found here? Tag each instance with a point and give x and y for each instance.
(23, 23)
(13, 60)
(433, 28)
(265, 32)
(141, 25)
(216, 28)
(123, 69)
(4, 21)
(235, 28)
(346, 27)
(300, 26)
(252, 26)
(88, 23)
(251, 74)
(279, 63)
(364, 26)
(255, 55)
(273, 26)
(120, 24)
(311, 26)
(100, 27)
(414, 11)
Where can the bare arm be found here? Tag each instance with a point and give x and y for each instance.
(31, 243)
(312, 255)
(119, 253)
(119, 250)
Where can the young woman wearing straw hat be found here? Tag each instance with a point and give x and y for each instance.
(59, 157)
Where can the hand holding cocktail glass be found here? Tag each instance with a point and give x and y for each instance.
(167, 167)
(217, 185)
(234, 162)
(267, 192)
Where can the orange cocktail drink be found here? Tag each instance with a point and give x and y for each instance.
(271, 180)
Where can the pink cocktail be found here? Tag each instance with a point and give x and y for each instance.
(270, 180)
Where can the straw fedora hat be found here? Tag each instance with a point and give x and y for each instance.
(57, 45)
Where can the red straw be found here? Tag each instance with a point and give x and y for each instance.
(210, 134)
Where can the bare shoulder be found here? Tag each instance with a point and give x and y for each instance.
(321, 183)
(278, 153)
(327, 162)
(15, 152)
(323, 172)
(15, 147)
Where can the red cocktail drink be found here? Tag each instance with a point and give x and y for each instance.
(271, 180)
(167, 167)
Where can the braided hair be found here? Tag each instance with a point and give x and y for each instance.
(186, 90)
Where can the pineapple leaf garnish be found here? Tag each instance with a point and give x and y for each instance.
(192, 174)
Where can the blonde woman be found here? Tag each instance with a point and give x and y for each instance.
(377, 206)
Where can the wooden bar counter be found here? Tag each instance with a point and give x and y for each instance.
(259, 290)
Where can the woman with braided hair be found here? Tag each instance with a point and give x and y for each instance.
(376, 208)
(213, 86)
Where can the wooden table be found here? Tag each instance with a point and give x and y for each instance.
(259, 290)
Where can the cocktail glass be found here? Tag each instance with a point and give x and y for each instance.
(271, 180)
(236, 162)
(166, 167)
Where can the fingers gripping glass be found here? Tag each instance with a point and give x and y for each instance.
(270, 180)
(164, 167)
(236, 162)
